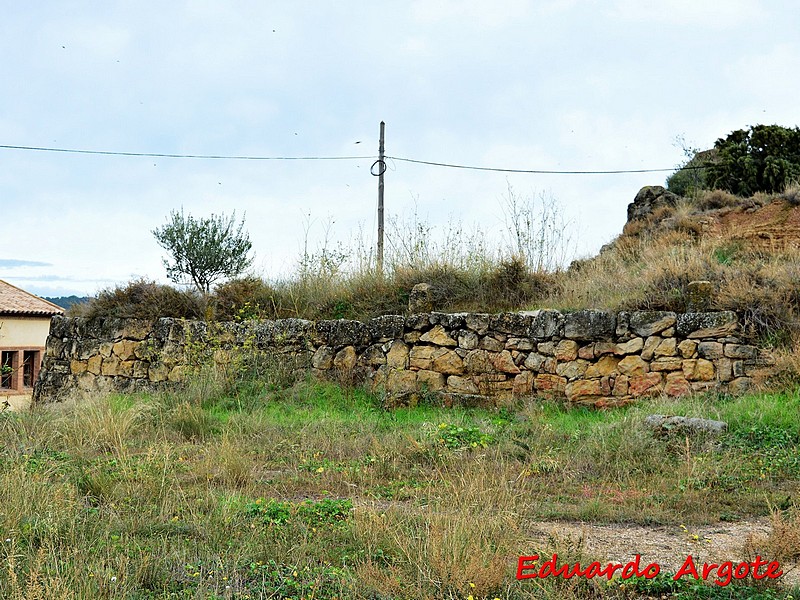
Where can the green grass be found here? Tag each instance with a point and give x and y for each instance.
(316, 491)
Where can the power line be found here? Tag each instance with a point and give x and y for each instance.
(536, 171)
(162, 155)
(300, 158)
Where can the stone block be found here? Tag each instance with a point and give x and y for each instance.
(606, 366)
(710, 350)
(550, 384)
(519, 344)
(573, 369)
(461, 385)
(650, 345)
(345, 359)
(421, 357)
(478, 361)
(707, 324)
(477, 322)
(439, 337)
(421, 298)
(342, 332)
(430, 380)
(323, 358)
(583, 388)
(676, 385)
(397, 355)
(534, 362)
(386, 327)
(372, 356)
(698, 369)
(741, 352)
(621, 384)
(468, 339)
(667, 347)
(632, 346)
(76, 367)
(546, 324)
(547, 348)
(504, 362)
(687, 348)
(401, 382)
(586, 352)
(566, 350)
(670, 363)
(447, 362)
(94, 364)
(632, 366)
(517, 324)
(647, 323)
(490, 343)
(590, 325)
(523, 384)
(109, 366)
(648, 384)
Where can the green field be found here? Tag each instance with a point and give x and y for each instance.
(270, 489)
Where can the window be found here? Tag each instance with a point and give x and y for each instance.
(7, 369)
(30, 367)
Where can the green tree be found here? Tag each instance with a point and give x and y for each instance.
(203, 251)
(763, 158)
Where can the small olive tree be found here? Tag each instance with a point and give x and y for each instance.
(203, 251)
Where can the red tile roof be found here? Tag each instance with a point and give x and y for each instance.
(14, 301)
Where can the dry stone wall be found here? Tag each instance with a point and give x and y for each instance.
(590, 357)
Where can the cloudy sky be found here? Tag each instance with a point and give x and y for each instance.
(540, 85)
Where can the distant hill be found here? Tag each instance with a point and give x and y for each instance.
(67, 301)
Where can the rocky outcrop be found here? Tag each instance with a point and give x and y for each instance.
(589, 357)
(649, 199)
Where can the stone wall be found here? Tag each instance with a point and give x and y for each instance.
(590, 357)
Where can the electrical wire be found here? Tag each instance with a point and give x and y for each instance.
(382, 165)
(534, 171)
(163, 155)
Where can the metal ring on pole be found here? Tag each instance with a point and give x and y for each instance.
(381, 168)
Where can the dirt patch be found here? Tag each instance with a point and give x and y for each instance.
(771, 228)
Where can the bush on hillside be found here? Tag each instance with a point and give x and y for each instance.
(763, 158)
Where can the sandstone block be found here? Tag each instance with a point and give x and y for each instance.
(573, 369)
(601, 348)
(345, 359)
(439, 337)
(504, 363)
(523, 384)
(76, 367)
(607, 365)
(547, 348)
(477, 361)
(421, 298)
(447, 362)
(632, 366)
(421, 357)
(397, 355)
(372, 356)
(647, 323)
(650, 345)
(547, 383)
(724, 369)
(401, 382)
(412, 337)
(109, 366)
(586, 352)
(125, 368)
(158, 372)
(491, 344)
(687, 348)
(583, 388)
(676, 385)
(670, 363)
(740, 385)
(430, 380)
(94, 364)
(566, 350)
(105, 349)
(621, 385)
(630, 347)
(698, 369)
(520, 344)
(534, 362)
(647, 384)
(461, 385)
(667, 347)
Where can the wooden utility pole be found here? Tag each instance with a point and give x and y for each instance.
(381, 171)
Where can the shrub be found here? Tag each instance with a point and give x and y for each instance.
(142, 299)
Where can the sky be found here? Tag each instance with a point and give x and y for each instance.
(515, 84)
